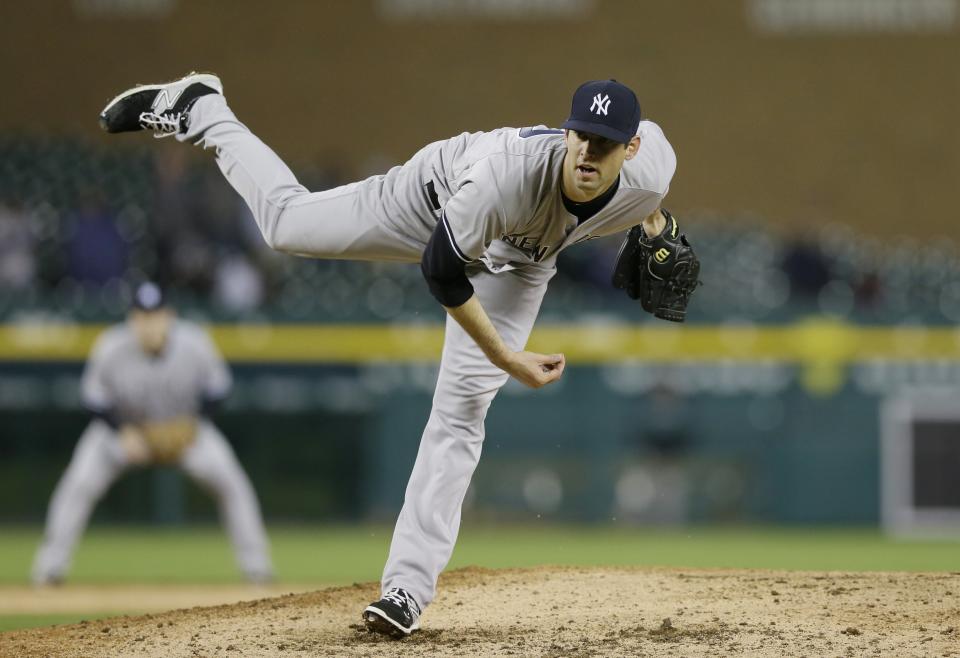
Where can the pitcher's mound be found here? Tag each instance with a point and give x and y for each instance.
(558, 611)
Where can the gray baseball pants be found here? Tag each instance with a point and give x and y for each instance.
(97, 462)
(388, 218)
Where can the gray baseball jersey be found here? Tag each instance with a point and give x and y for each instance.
(500, 193)
(139, 387)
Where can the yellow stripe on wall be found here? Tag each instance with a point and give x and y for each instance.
(811, 341)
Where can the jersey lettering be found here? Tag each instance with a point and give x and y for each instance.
(526, 244)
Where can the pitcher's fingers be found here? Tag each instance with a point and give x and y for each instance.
(551, 376)
(549, 359)
(559, 364)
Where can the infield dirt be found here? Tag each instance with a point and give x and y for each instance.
(558, 611)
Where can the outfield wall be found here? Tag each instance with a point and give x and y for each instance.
(672, 424)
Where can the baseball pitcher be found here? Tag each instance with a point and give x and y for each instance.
(151, 384)
(485, 214)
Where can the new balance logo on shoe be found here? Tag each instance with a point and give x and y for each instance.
(165, 99)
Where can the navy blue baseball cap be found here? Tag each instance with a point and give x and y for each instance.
(148, 297)
(606, 108)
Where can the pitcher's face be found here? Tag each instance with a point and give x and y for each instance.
(593, 163)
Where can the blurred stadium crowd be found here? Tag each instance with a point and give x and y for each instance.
(80, 224)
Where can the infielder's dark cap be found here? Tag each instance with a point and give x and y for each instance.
(606, 108)
(148, 297)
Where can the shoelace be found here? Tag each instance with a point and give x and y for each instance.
(162, 125)
(398, 597)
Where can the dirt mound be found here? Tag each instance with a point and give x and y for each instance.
(103, 600)
(559, 611)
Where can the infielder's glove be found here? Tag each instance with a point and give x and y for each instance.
(167, 439)
(662, 271)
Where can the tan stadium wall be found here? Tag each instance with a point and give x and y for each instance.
(803, 130)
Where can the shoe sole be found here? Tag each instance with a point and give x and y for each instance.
(378, 622)
(207, 79)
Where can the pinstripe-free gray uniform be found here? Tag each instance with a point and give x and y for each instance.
(498, 197)
(139, 387)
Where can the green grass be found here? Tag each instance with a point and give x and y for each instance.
(14, 622)
(328, 555)
(346, 554)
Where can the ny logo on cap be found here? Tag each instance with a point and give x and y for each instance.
(600, 104)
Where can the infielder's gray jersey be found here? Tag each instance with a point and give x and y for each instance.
(138, 387)
(500, 193)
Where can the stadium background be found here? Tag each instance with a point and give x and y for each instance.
(818, 152)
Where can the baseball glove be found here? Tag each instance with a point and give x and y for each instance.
(167, 439)
(662, 271)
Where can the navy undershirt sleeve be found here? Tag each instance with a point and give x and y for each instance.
(443, 268)
(107, 415)
(210, 405)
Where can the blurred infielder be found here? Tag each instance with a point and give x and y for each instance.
(150, 383)
(485, 215)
